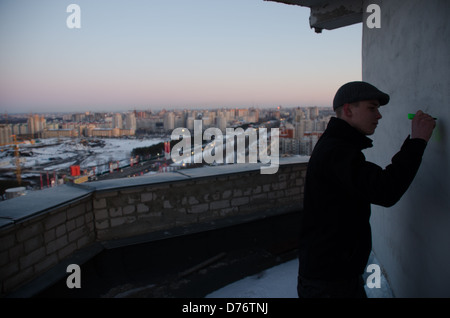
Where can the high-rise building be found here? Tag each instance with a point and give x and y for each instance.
(253, 115)
(130, 121)
(222, 123)
(180, 120)
(20, 129)
(314, 112)
(117, 121)
(36, 124)
(190, 123)
(290, 146)
(169, 121)
(5, 134)
(299, 123)
(241, 113)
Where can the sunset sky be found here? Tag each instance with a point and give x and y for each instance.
(153, 54)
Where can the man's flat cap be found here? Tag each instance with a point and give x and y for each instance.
(358, 91)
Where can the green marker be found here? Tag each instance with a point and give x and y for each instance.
(411, 116)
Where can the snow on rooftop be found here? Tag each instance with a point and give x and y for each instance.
(277, 282)
(281, 282)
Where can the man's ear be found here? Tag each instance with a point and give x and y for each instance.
(347, 110)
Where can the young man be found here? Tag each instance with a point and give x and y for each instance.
(340, 186)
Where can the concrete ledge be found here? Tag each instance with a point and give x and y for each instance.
(336, 14)
(36, 202)
(184, 174)
(330, 15)
(41, 230)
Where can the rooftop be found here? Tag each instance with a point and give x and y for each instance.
(245, 256)
(151, 220)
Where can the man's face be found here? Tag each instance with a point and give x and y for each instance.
(365, 116)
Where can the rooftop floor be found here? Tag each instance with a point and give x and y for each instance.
(185, 266)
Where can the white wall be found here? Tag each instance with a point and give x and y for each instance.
(409, 58)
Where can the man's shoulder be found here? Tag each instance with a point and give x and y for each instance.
(333, 143)
(331, 150)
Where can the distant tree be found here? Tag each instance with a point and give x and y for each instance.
(151, 151)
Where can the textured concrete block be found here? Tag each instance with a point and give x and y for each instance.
(33, 230)
(55, 220)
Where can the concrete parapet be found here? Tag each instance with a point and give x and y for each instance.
(44, 228)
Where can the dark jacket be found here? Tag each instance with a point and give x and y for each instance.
(335, 235)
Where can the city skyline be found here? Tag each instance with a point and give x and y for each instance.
(183, 55)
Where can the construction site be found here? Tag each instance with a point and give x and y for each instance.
(42, 163)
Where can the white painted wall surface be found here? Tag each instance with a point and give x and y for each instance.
(409, 58)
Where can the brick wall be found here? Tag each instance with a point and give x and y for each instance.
(36, 244)
(127, 212)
